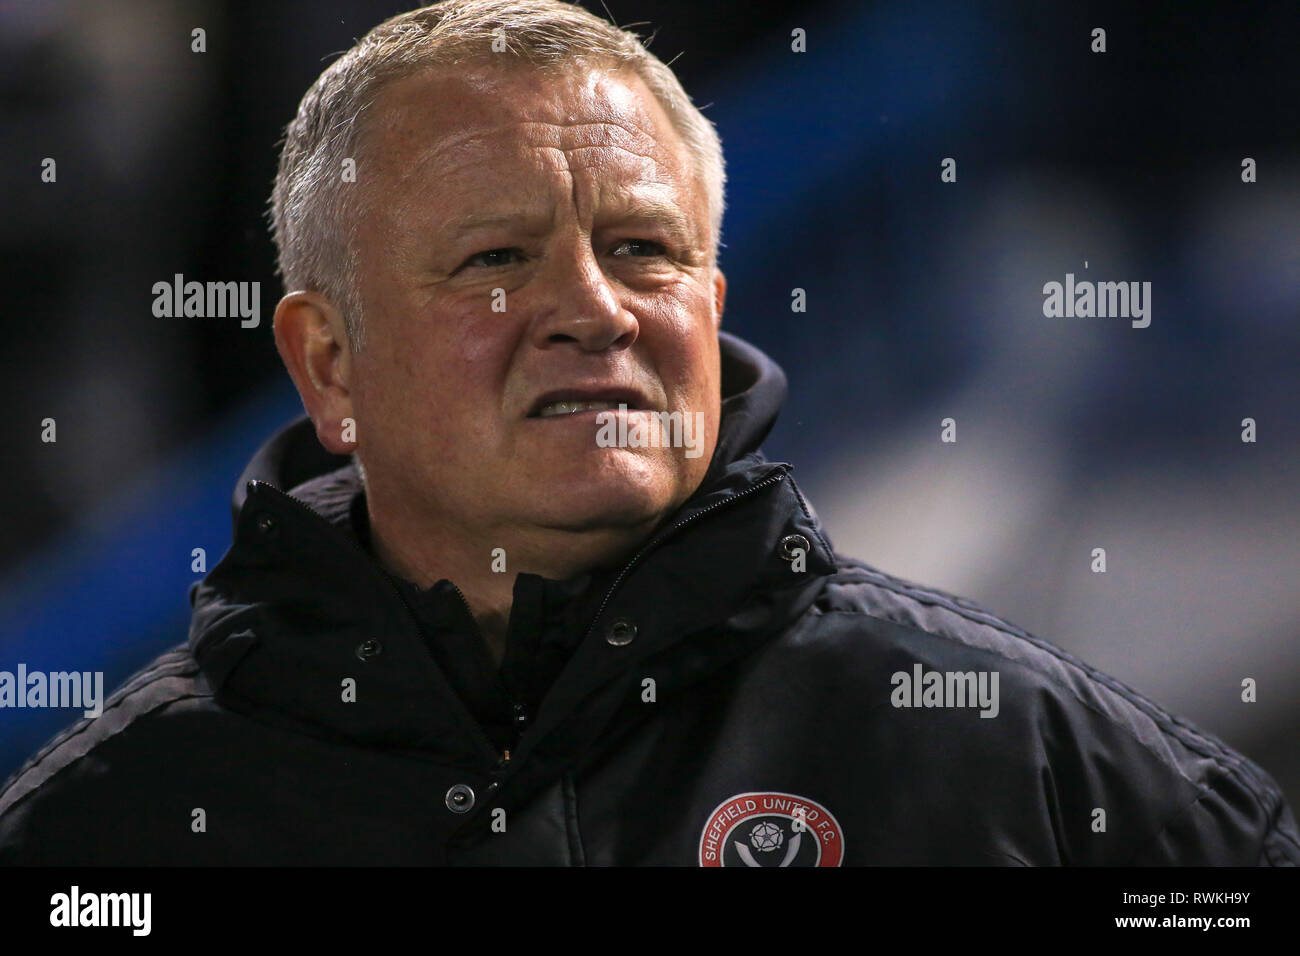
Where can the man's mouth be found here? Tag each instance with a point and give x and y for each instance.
(569, 408)
(575, 401)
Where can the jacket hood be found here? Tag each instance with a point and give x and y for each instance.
(280, 620)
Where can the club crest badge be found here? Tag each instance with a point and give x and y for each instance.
(771, 829)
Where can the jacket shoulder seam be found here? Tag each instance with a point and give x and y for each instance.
(149, 673)
(978, 615)
(131, 702)
(1189, 736)
(1275, 833)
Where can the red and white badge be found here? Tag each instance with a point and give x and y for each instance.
(771, 829)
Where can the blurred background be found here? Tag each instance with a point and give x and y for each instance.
(924, 302)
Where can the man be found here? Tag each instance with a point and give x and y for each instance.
(521, 588)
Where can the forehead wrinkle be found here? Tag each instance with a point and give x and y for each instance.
(610, 131)
(648, 170)
(632, 194)
(592, 135)
(637, 157)
(653, 160)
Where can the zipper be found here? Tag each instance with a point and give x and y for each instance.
(392, 586)
(659, 539)
(468, 610)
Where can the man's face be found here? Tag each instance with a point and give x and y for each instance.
(529, 239)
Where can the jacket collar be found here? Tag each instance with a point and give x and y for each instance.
(282, 619)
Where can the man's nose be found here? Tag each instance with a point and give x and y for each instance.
(581, 304)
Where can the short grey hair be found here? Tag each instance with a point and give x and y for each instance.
(313, 212)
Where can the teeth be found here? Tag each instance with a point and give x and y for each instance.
(568, 408)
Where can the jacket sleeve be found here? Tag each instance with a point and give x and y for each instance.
(1239, 819)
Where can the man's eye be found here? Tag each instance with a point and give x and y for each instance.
(492, 257)
(654, 248)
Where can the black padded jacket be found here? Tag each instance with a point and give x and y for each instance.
(736, 695)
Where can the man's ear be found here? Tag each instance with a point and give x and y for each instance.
(312, 341)
(719, 296)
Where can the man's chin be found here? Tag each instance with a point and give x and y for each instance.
(592, 503)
